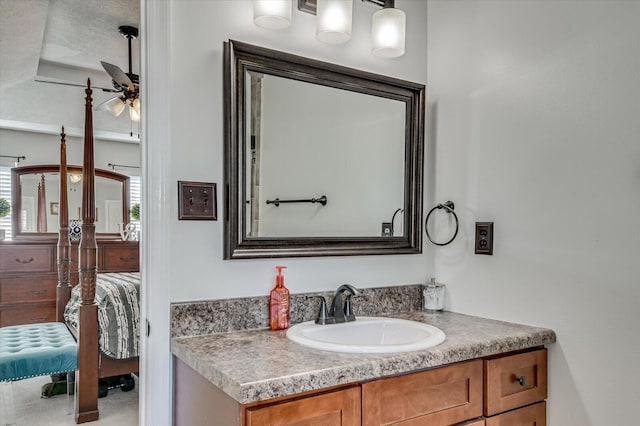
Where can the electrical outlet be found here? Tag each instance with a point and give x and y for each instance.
(387, 229)
(484, 238)
(197, 201)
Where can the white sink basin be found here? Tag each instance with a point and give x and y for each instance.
(368, 335)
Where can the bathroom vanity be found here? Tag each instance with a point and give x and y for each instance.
(486, 372)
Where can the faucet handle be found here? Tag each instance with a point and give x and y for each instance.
(323, 316)
(348, 313)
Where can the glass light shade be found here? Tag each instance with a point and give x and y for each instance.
(272, 14)
(75, 177)
(115, 106)
(333, 23)
(388, 29)
(134, 110)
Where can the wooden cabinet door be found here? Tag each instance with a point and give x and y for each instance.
(339, 408)
(438, 397)
(515, 381)
(533, 415)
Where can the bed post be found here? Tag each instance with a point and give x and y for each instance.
(87, 381)
(63, 291)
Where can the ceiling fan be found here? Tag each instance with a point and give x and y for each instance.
(127, 84)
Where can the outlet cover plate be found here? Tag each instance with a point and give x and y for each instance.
(197, 201)
(484, 238)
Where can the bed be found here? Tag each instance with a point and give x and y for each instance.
(100, 304)
(118, 299)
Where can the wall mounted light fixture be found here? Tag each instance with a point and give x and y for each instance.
(388, 27)
(334, 17)
(334, 22)
(272, 14)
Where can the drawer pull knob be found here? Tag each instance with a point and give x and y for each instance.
(521, 380)
(24, 261)
(126, 259)
(40, 319)
(39, 291)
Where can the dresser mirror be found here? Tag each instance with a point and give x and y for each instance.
(320, 159)
(36, 194)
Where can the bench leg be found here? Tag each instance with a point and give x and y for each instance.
(71, 386)
(7, 409)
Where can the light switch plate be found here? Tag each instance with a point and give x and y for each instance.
(484, 238)
(197, 201)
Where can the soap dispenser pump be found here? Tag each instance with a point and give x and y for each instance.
(279, 303)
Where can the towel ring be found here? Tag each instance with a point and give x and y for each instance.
(448, 206)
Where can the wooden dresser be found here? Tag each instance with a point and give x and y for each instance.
(28, 276)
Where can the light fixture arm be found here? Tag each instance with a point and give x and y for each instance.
(309, 6)
(382, 3)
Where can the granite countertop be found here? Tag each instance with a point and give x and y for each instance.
(258, 365)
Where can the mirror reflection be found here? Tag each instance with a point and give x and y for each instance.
(304, 144)
(37, 195)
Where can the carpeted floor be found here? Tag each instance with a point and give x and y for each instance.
(118, 408)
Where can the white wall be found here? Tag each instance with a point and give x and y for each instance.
(40, 148)
(534, 118)
(198, 29)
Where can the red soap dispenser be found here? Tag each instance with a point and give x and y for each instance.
(279, 303)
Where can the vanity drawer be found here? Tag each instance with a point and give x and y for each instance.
(33, 288)
(28, 314)
(27, 258)
(515, 380)
(339, 408)
(119, 259)
(533, 415)
(442, 396)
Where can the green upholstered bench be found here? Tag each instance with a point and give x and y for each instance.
(34, 350)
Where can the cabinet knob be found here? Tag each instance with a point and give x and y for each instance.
(126, 259)
(24, 261)
(521, 380)
(39, 291)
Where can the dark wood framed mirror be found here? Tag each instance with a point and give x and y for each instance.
(35, 195)
(320, 159)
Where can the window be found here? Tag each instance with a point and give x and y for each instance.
(5, 192)
(134, 196)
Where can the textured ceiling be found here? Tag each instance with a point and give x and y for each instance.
(62, 40)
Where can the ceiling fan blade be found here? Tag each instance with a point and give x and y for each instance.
(104, 89)
(118, 75)
(114, 105)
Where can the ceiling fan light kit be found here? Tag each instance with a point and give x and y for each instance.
(125, 83)
(114, 105)
(134, 110)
